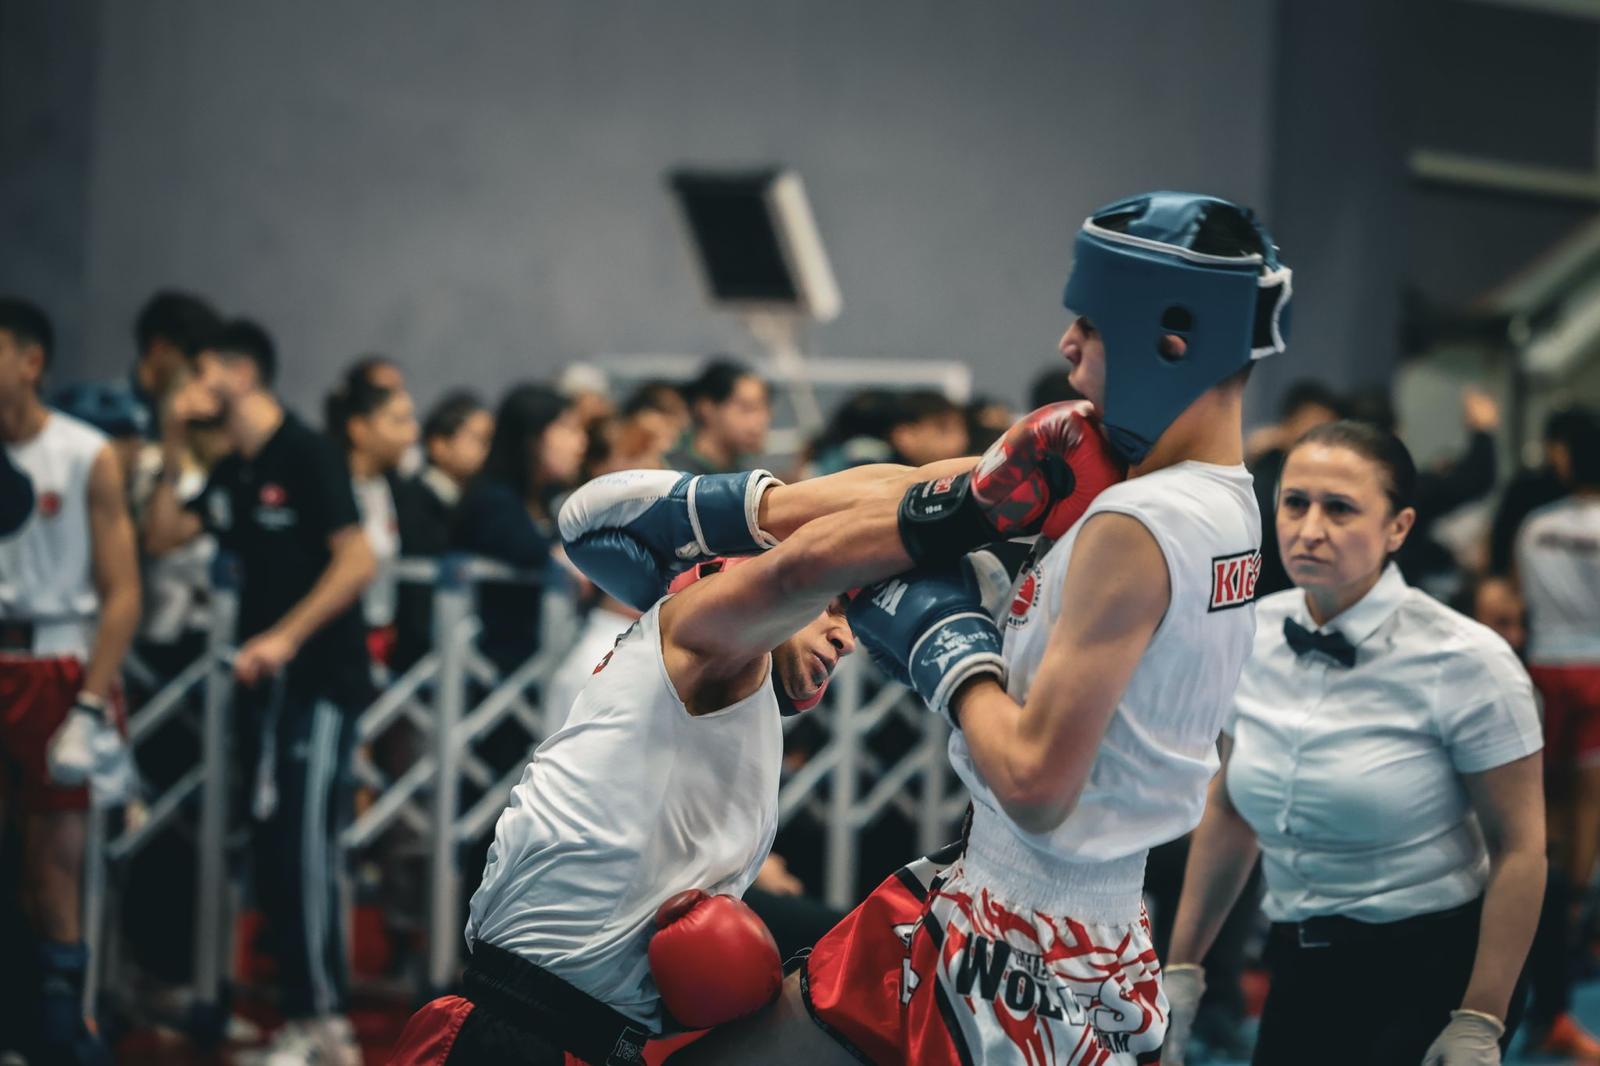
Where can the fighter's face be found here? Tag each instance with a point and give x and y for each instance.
(1085, 352)
(806, 660)
(1336, 527)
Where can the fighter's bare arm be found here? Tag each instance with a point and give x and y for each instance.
(115, 565)
(785, 508)
(1036, 757)
(839, 532)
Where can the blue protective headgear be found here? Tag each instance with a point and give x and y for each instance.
(1137, 278)
(110, 408)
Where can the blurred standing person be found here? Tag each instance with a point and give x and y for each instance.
(509, 512)
(69, 605)
(1452, 484)
(1305, 405)
(653, 420)
(927, 426)
(1494, 601)
(171, 329)
(1558, 564)
(1383, 762)
(455, 441)
(1532, 489)
(375, 425)
(732, 412)
(281, 503)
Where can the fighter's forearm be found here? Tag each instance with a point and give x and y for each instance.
(877, 487)
(119, 620)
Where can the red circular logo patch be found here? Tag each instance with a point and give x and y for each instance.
(273, 495)
(50, 504)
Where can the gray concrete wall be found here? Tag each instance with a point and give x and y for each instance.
(47, 79)
(475, 187)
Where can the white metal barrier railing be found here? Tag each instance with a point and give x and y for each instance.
(849, 781)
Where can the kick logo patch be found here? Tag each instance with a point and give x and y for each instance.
(1233, 579)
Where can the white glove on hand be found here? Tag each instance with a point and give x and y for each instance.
(1185, 984)
(1471, 1039)
(69, 756)
(113, 780)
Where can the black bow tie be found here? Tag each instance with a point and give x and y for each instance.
(1334, 644)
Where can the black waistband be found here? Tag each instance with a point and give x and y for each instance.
(1334, 930)
(535, 999)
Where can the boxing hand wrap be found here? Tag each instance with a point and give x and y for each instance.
(712, 959)
(632, 531)
(929, 630)
(1037, 478)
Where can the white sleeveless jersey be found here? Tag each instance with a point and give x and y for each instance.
(46, 566)
(1558, 564)
(1148, 781)
(627, 804)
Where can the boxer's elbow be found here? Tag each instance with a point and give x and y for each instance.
(1036, 796)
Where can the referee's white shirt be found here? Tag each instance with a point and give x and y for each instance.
(1351, 778)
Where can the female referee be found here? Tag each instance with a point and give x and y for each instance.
(1384, 762)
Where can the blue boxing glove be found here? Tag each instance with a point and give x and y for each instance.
(930, 631)
(633, 531)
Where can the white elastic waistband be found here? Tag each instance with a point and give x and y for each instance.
(1108, 893)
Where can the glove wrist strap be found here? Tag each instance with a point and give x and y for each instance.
(941, 520)
(90, 702)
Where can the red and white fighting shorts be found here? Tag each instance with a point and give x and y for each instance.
(1571, 714)
(966, 960)
(35, 697)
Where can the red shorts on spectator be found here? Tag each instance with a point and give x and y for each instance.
(1571, 714)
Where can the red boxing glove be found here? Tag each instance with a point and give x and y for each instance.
(712, 959)
(1037, 478)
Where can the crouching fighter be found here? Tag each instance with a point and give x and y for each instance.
(664, 777)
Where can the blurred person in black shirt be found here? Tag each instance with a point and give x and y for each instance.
(281, 503)
(1532, 489)
(375, 424)
(455, 442)
(926, 426)
(1423, 561)
(508, 513)
(171, 329)
(732, 412)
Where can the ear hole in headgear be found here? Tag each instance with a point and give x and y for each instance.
(1172, 348)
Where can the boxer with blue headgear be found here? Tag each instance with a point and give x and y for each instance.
(1086, 716)
(1185, 291)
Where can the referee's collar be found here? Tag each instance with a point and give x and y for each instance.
(1362, 618)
